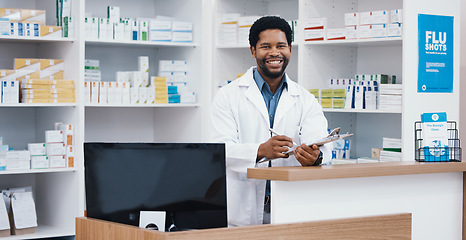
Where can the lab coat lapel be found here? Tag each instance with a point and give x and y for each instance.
(286, 102)
(253, 94)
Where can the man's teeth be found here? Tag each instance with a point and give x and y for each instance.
(274, 62)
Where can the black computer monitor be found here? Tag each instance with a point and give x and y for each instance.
(186, 180)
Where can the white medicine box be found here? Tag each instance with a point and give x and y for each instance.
(54, 136)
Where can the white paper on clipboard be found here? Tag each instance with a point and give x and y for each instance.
(320, 142)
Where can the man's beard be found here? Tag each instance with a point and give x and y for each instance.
(270, 74)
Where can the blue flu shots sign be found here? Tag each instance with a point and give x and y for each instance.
(435, 73)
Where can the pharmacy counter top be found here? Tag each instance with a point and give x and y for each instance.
(341, 191)
(354, 170)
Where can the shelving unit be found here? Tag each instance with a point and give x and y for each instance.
(59, 193)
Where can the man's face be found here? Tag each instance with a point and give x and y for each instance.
(272, 53)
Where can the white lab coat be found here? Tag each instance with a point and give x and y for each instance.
(240, 119)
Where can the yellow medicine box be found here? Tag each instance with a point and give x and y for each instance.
(326, 103)
(50, 31)
(46, 75)
(157, 81)
(338, 103)
(27, 64)
(326, 93)
(339, 93)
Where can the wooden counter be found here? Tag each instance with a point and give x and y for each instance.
(354, 170)
(396, 226)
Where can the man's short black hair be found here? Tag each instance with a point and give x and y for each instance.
(268, 22)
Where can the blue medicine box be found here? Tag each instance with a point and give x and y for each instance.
(174, 98)
(172, 90)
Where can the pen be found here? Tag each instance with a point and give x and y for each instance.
(278, 134)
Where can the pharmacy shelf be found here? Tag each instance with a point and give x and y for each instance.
(38, 105)
(361, 110)
(34, 39)
(395, 41)
(167, 105)
(137, 43)
(29, 171)
(42, 232)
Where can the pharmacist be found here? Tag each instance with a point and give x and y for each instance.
(245, 110)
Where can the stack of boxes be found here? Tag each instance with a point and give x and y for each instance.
(159, 29)
(45, 83)
(56, 152)
(358, 25)
(56, 148)
(365, 92)
(315, 29)
(227, 31)
(161, 89)
(390, 96)
(68, 140)
(182, 32)
(39, 158)
(132, 87)
(41, 81)
(332, 98)
(176, 73)
(334, 95)
(59, 144)
(17, 160)
(31, 23)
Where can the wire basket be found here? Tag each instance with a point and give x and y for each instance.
(450, 153)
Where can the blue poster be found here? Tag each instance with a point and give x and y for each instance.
(435, 73)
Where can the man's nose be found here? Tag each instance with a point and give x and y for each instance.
(274, 51)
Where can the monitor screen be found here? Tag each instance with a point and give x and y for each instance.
(186, 180)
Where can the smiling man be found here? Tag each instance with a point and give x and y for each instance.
(249, 109)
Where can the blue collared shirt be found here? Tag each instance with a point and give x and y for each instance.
(271, 100)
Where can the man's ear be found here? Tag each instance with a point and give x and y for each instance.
(253, 51)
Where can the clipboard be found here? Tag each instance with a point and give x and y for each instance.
(333, 136)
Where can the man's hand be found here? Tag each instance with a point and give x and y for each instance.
(274, 147)
(307, 155)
